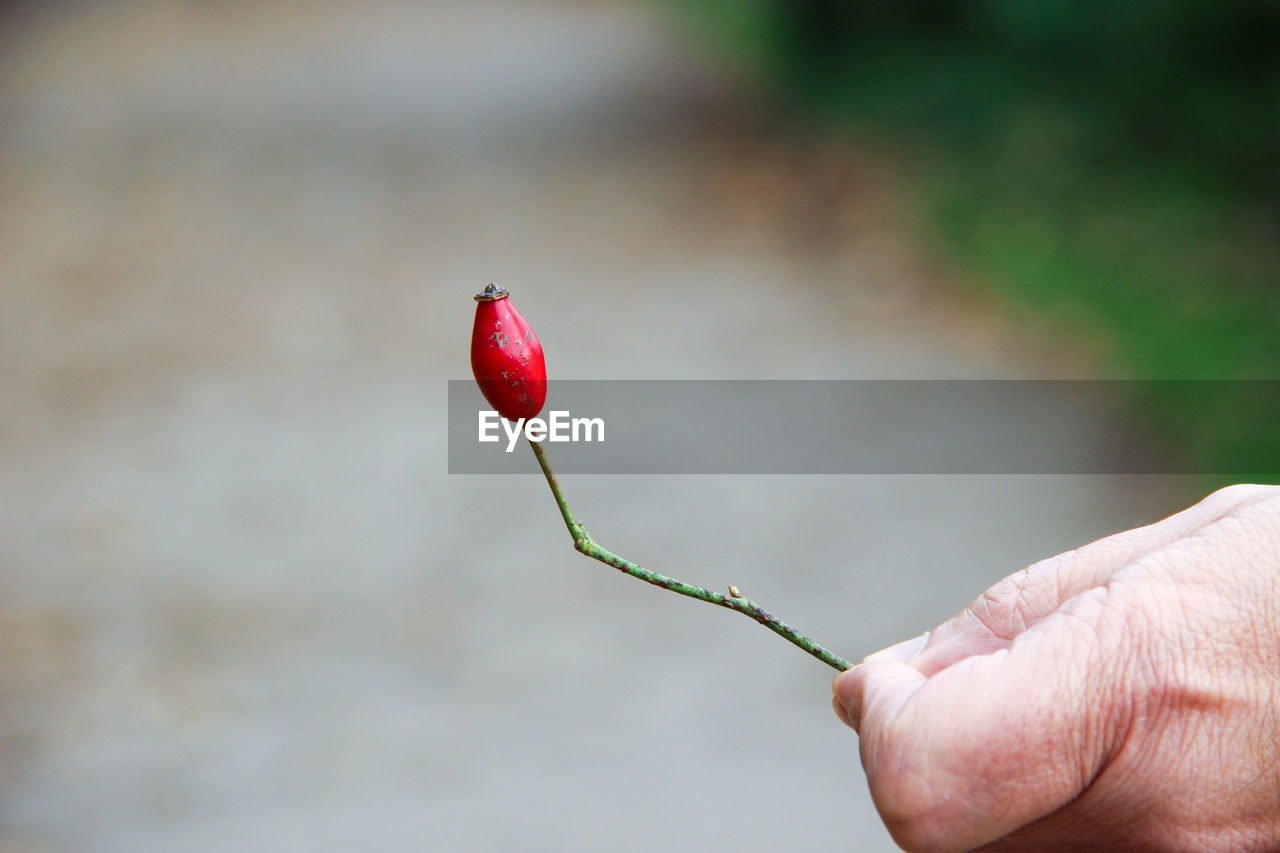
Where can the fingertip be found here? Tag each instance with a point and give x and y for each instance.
(843, 693)
(876, 689)
(841, 714)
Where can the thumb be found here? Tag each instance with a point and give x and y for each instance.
(882, 678)
(997, 740)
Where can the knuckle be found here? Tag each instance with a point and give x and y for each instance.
(1012, 605)
(1243, 493)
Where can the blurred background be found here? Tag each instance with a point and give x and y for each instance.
(244, 605)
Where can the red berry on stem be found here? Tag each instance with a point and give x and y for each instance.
(506, 357)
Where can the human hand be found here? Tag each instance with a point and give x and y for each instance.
(1122, 696)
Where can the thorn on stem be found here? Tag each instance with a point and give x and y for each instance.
(733, 591)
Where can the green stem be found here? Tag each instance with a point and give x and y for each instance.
(583, 542)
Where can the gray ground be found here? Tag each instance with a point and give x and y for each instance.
(245, 608)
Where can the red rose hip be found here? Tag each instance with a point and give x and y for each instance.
(506, 357)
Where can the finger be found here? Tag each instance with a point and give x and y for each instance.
(1021, 600)
(838, 707)
(998, 740)
(900, 652)
(886, 686)
(846, 688)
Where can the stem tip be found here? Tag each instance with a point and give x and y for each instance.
(492, 293)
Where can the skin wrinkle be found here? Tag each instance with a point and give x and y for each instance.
(1159, 702)
(1019, 586)
(920, 789)
(914, 786)
(1092, 770)
(1097, 658)
(1120, 730)
(1095, 600)
(1184, 693)
(1253, 639)
(992, 603)
(1060, 583)
(1059, 568)
(1173, 645)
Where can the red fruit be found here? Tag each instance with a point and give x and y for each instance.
(506, 357)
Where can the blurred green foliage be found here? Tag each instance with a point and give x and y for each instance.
(1115, 164)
